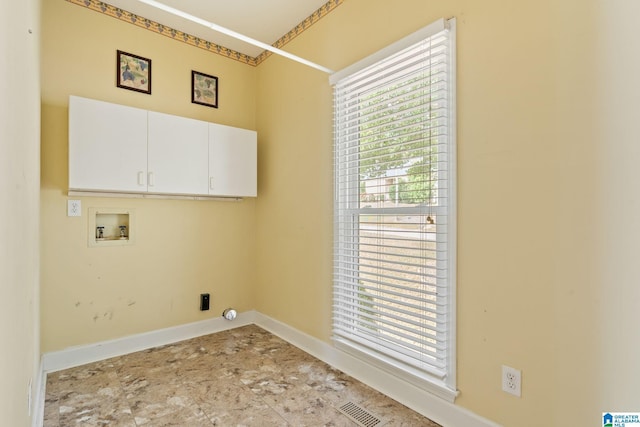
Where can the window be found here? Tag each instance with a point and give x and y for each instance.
(394, 249)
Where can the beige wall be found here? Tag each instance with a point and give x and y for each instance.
(19, 189)
(183, 248)
(597, 293)
(548, 144)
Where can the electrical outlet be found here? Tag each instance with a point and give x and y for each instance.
(204, 302)
(511, 380)
(74, 208)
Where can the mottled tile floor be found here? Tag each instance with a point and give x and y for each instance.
(241, 377)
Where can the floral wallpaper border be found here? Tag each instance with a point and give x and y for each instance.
(164, 30)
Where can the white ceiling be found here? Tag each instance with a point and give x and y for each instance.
(262, 20)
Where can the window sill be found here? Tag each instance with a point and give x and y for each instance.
(433, 385)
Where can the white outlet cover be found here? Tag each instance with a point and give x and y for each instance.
(74, 208)
(512, 381)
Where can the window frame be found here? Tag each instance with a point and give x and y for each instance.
(442, 386)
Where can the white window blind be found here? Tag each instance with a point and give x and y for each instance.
(394, 249)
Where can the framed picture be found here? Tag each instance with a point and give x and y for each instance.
(134, 72)
(204, 89)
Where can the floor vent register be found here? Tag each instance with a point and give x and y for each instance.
(360, 416)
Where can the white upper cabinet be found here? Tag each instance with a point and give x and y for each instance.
(178, 150)
(232, 161)
(107, 146)
(119, 149)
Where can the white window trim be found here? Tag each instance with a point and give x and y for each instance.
(444, 388)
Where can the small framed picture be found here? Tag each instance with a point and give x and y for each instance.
(204, 89)
(134, 72)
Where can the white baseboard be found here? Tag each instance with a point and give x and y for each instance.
(427, 404)
(38, 397)
(81, 355)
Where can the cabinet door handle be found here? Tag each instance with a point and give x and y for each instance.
(141, 178)
(150, 179)
(211, 183)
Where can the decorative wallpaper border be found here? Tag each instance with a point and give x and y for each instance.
(139, 21)
(301, 27)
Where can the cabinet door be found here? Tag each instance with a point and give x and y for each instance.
(107, 146)
(178, 153)
(232, 161)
